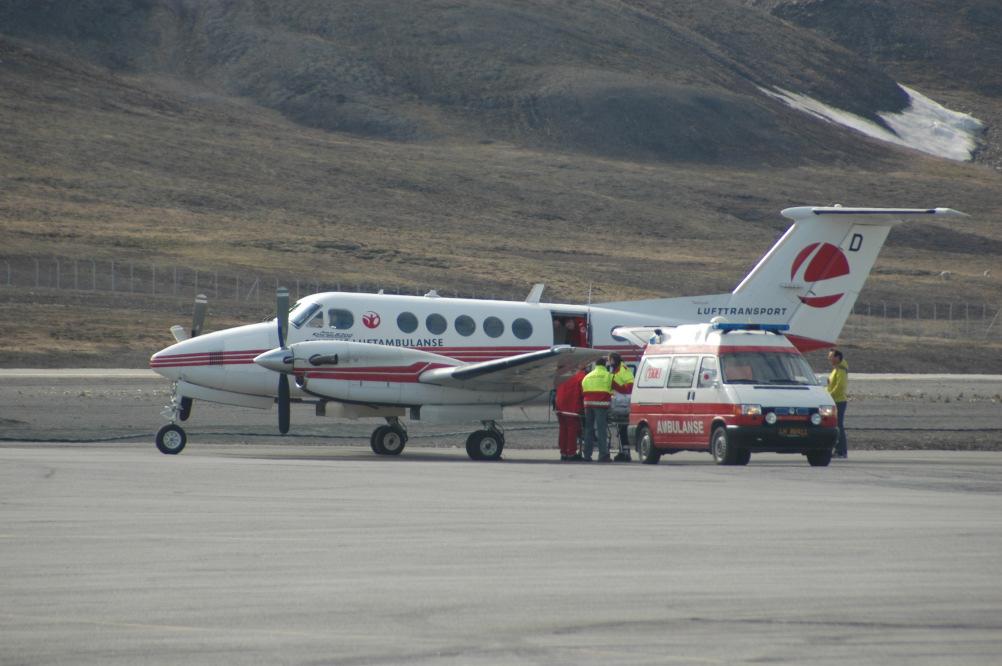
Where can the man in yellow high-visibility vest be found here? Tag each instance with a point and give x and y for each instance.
(596, 389)
(622, 387)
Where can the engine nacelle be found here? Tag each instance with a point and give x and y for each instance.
(336, 354)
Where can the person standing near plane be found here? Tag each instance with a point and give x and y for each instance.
(622, 387)
(596, 388)
(570, 405)
(838, 384)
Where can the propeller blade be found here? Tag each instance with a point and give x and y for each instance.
(282, 307)
(283, 404)
(198, 318)
(185, 411)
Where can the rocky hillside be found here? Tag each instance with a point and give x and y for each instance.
(635, 79)
(421, 144)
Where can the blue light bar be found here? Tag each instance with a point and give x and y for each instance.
(728, 326)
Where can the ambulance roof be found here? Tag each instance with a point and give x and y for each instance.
(709, 338)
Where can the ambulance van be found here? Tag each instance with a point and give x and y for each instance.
(732, 390)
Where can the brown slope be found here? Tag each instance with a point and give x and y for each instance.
(637, 79)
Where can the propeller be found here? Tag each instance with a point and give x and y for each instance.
(282, 305)
(197, 321)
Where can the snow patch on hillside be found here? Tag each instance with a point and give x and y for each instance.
(925, 125)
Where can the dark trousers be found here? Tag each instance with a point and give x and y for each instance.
(841, 446)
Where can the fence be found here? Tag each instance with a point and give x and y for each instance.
(132, 277)
(869, 319)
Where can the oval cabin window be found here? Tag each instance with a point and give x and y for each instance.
(407, 322)
(522, 328)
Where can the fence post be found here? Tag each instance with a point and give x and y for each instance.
(38, 274)
(153, 272)
(196, 282)
(76, 275)
(58, 276)
(93, 274)
(113, 275)
(8, 272)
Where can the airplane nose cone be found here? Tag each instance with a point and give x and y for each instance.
(279, 360)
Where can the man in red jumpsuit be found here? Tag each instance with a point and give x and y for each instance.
(570, 406)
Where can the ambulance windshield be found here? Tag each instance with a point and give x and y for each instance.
(764, 367)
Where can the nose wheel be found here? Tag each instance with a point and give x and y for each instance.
(171, 439)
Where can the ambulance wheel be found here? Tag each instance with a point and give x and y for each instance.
(819, 458)
(645, 447)
(388, 440)
(485, 445)
(171, 439)
(723, 453)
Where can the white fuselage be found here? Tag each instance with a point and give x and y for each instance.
(418, 332)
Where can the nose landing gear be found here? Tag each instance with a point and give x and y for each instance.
(171, 438)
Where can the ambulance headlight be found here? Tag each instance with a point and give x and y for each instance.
(770, 418)
(751, 410)
(816, 418)
(827, 411)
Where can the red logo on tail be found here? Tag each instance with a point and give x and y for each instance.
(826, 262)
(371, 319)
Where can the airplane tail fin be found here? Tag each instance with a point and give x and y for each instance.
(818, 267)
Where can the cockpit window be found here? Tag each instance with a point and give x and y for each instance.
(340, 319)
(302, 313)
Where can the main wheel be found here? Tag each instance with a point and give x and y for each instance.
(485, 445)
(388, 440)
(743, 456)
(819, 458)
(171, 439)
(723, 452)
(645, 447)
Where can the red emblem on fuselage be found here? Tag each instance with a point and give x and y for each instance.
(371, 319)
(826, 262)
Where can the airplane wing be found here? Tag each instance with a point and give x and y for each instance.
(539, 370)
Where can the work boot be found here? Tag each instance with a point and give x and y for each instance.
(622, 456)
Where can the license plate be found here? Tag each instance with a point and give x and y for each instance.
(793, 432)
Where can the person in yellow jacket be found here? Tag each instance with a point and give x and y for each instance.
(596, 391)
(838, 385)
(622, 387)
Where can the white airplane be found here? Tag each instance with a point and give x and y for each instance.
(452, 360)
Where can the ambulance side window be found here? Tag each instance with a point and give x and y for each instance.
(707, 372)
(682, 371)
(653, 372)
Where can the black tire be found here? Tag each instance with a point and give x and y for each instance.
(743, 456)
(723, 452)
(372, 438)
(389, 440)
(646, 452)
(485, 445)
(819, 458)
(171, 439)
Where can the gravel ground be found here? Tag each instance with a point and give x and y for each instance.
(955, 412)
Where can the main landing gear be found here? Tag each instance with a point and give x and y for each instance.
(171, 438)
(390, 439)
(486, 444)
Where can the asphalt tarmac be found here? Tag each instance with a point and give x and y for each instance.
(231, 553)
(253, 548)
